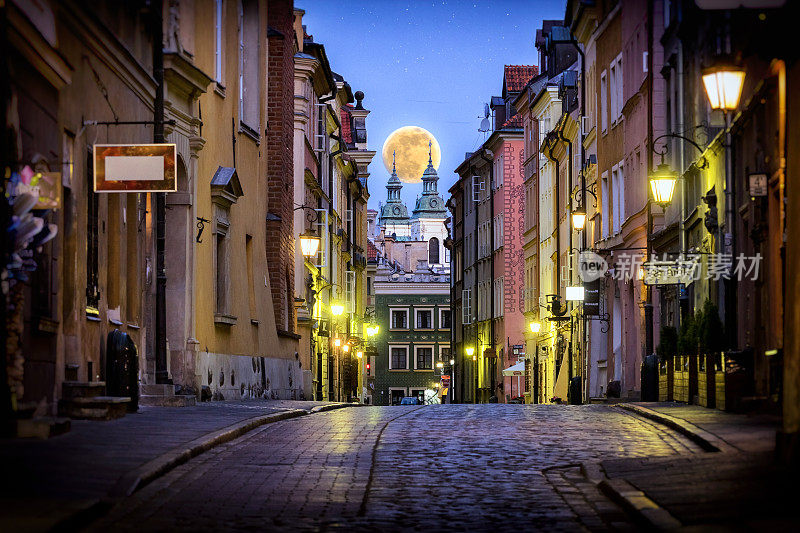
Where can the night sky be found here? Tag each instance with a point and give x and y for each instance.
(428, 64)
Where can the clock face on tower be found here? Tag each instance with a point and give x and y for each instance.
(433, 203)
(396, 210)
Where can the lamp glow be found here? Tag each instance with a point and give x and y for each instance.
(359, 354)
(337, 309)
(337, 342)
(309, 244)
(579, 218)
(575, 294)
(474, 357)
(346, 348)
(662, 184)
(723, 83)
(536, 327)
(469, 350)
(439, 365)
(452, 362)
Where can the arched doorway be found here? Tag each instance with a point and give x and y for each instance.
(178, 265)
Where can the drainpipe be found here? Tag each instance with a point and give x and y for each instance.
(569, 192)
(475, 284)
(648, 308)
(550, 150)
(162, 375)
(488, 156)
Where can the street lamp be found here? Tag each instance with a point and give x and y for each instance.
(536, 327)
(337, 309)
(662, 184)
(360, 354)
(452, 362)
(469, 350)
(309, 245)
(579, 218)
(337, 342)
(723, 82)
(346, 348)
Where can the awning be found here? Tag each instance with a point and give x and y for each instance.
(513, 369)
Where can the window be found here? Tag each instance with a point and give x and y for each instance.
(466, 306)
(444, 318)
(615, 89)
(221, 270)
(499, 283)
(92, 237)
(399, 318)
(369, 286)
(251, 285)
(498, 172)
(603, 102)
(350, 291)
(397, 395)
(424, 357)
(433, 251)
(218, 25)
(618, 196)
(605, 201)
(444, 354)
(249, 71)
(398, 359)
(424, 318)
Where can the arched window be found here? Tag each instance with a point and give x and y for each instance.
(433, 251)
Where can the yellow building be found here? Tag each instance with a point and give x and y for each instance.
(330, 202)
(224, 329)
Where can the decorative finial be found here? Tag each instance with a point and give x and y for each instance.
(430, 148)
(394, 154)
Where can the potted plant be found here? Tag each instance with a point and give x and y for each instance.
(666, 351)
(687, 349)
(711, 343)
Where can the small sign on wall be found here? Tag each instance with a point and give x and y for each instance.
(134, 168)
(758, 185)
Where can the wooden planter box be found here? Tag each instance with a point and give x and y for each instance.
(666, 371)
(707, 380)
(680, 379)
(692, 379)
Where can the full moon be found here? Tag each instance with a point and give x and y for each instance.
(411, 145)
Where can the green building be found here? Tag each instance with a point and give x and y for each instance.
(413, 311)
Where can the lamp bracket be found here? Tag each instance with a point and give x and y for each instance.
(665, 148)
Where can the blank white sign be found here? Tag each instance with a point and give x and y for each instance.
(134, 168)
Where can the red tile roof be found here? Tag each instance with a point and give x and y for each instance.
(517, 76)
(372, 252)
(513, 122)
(347, 133)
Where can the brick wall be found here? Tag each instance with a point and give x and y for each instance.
(280, 181)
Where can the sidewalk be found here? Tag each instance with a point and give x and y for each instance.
(738, 487)
(49, 481)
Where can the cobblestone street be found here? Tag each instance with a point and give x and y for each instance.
(454, 466)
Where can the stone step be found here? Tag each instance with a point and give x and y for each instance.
(157, 389)
(167, 401)
(41, 427)
(82, 389)
(94, 408)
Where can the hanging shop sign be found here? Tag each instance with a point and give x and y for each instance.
(683, 271)
(134, 168)
(591, 298)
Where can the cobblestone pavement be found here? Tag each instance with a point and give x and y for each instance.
(456, 467)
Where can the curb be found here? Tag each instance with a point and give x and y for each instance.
(708, 441)
(644, 510)
(130, 482)
(332, 406)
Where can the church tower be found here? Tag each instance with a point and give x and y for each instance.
(429, 216)
(394, 215)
